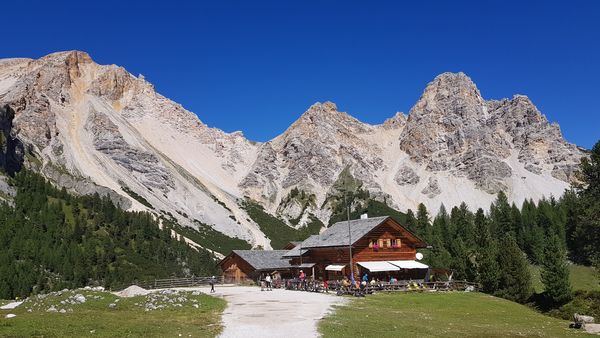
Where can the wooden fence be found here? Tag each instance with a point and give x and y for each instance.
(179, 282)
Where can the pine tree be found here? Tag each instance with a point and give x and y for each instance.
(423, 222)
(587, 231)
(488, 271)
(501, 216)
(411, 221)
(481, 228)
(515, 278)
(555, 273)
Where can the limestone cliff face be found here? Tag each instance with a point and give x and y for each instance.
(98, 128)
(451, 128)
(453, 146)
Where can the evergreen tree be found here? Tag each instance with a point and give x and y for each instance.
(482, 233)
(423, 222)
(411, 221)
(440, 227)
(501, 216)
(488, 273)
(555, 273)
(515, 278)
(587, 229)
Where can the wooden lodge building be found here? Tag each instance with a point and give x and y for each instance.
(381, 247)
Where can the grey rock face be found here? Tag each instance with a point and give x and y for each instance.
(406, 176)
(11, 149)
(451, 128)
(82, 186)
(145, 165)
(534, 168)
(432, 189)
(486, 171)
(539, 143)
(264, 173)
(312, 153)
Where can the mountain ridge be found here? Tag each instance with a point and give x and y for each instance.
(98, 128)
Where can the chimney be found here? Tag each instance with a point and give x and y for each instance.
(364, 216)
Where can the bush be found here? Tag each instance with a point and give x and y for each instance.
(584, 302)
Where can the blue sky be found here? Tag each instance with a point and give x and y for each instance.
(256, 66)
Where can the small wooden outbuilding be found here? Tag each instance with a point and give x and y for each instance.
(247, 265)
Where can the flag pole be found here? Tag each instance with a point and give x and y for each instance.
(349, 232)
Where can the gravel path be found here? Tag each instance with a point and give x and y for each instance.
(278, 313)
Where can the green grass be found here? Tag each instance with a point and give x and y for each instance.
(212, 239)
(440, 315)
(127, 319)
(582, 278)
(276, 230)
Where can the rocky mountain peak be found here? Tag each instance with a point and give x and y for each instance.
(320, 108)
(324, 118)
(450, 93)
(70, 57)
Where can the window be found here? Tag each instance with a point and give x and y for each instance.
(373, 244)
(380, 243)
(397, 242)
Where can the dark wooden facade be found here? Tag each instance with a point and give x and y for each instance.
(236, 270)
(388, 241)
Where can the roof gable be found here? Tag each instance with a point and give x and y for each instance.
(337, 234)
(264, 259)
(416, 240)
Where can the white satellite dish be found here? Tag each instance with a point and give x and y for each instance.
(419, 256)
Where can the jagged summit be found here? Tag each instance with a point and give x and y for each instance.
(321, 117)
(68, 54)
(97, 128)
(319, 108)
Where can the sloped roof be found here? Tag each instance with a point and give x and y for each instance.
(299, 249)
(337, 234)
(291, 245)
(264, 259)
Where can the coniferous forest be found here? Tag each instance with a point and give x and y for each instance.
(496, 247)
(50, 240)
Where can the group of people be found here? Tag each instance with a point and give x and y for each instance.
(301, 282)
(268, 281)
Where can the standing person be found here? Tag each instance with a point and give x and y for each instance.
(302, 278)
(212, 281)
(268, 280)
(365, 278)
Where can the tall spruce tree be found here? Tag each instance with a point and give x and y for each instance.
(515, 278)
(501, 216)
(423, 222)
(488, 271)
(587, 231)
(555, 273)
(411, 221)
